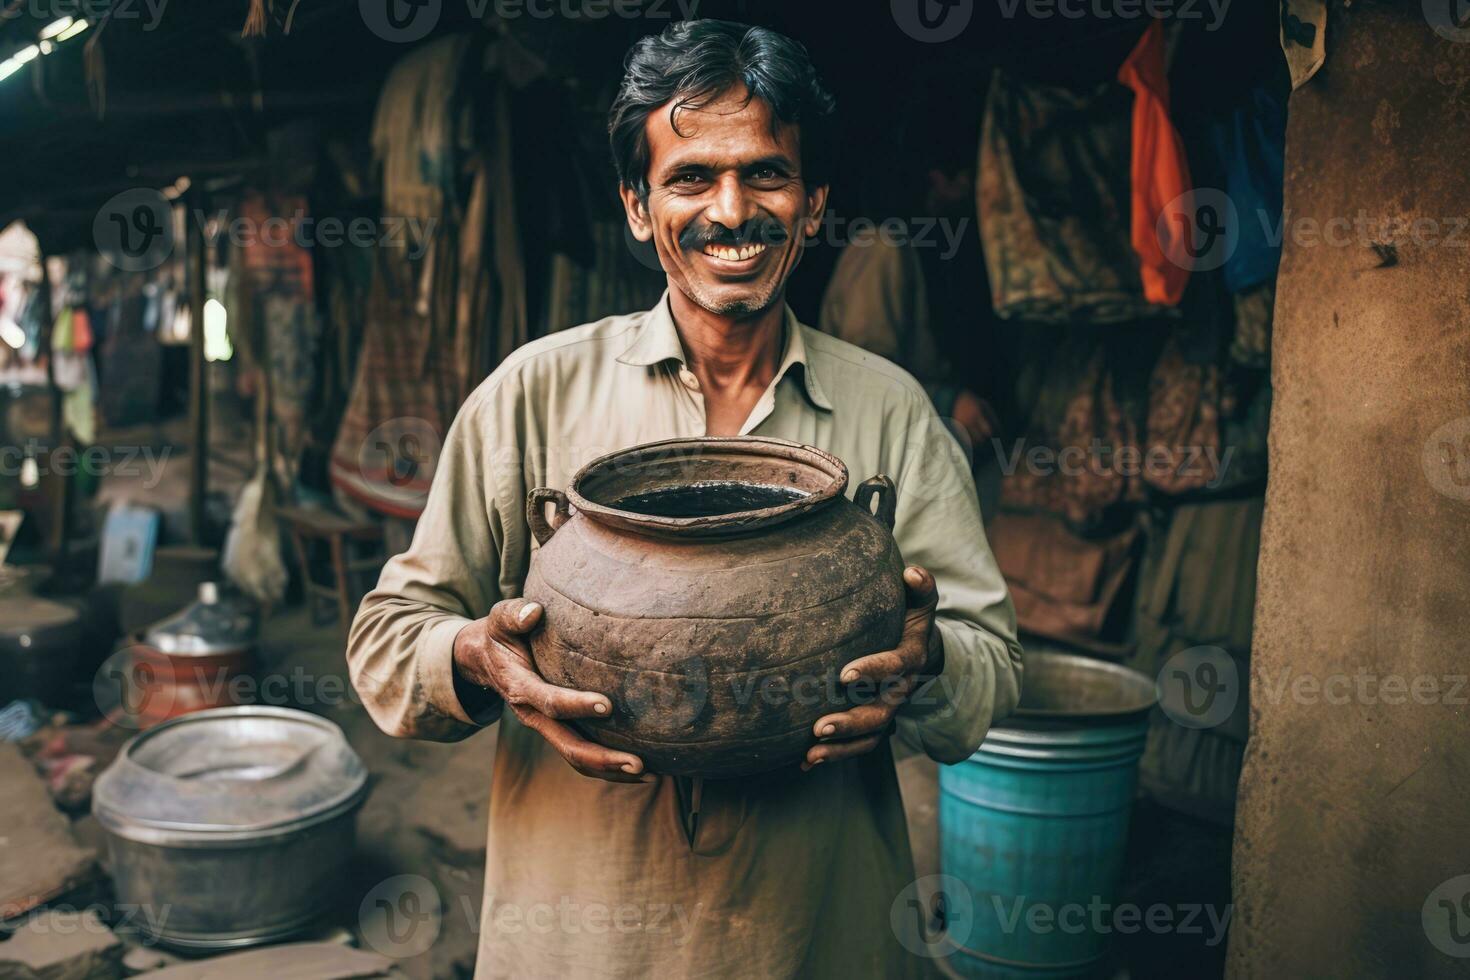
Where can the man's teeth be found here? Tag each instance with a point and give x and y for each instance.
(734, 254)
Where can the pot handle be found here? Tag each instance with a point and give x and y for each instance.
(881, 487)
(536, 502)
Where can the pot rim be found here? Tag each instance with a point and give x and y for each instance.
(733, 522)
(1136, 692)
(175, 833)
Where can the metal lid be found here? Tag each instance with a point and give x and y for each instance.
(229, 775)
(215, 623)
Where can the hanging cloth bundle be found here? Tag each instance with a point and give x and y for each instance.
(1052, 195)
(1162, 218)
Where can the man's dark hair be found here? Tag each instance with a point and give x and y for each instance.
(693, 63)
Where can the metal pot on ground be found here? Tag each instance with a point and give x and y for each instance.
(230, 827)
(40, 646)
(192, 660)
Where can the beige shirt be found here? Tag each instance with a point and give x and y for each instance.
(877, 299)
(790, 874)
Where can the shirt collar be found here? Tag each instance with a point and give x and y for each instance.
(657, 341)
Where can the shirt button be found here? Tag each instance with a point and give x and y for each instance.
(690, 381)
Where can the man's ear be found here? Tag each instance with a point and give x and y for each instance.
(639, 219)
(816, 208)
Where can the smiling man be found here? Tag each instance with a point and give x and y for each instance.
(595, 866)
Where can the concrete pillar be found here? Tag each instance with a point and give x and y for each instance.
(1352, 852)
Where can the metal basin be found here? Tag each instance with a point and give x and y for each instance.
(230, 827)
(1064, 685)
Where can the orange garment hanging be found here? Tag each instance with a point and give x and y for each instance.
(1160, 174)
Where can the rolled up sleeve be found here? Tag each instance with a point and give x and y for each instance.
(939, 527)
(400, 650)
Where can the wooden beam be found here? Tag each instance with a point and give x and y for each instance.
(198, 380)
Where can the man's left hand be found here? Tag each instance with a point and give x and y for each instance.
(889, 677)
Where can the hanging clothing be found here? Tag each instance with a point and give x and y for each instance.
(79, 399)
(275, 321)
(1161, 229)
(416, 134)
(410, 373)
(1250, 145)
(61, 331)
(437, 319)
(81, 330)
(1085, 424)
(73, 373)
(1064, 586)
(500, 228)
(129, 362)
(612, 281)
(1183, 440)
(1254, 307)
(1065, 531)
(878, 299)
(1197, 587)
(1053, 199)
(32, 324)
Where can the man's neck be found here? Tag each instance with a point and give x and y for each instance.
(728, 354)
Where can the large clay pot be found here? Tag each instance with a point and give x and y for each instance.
(713, 589)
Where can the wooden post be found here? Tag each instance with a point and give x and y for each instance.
(198, 381)
(57, 488)
(1352, 834)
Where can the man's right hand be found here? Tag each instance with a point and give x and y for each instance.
(493, 653)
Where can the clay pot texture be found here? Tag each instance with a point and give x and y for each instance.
(718, 637)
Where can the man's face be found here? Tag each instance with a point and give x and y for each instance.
(727, 208)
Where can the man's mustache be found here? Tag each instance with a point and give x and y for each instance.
(763, 231)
